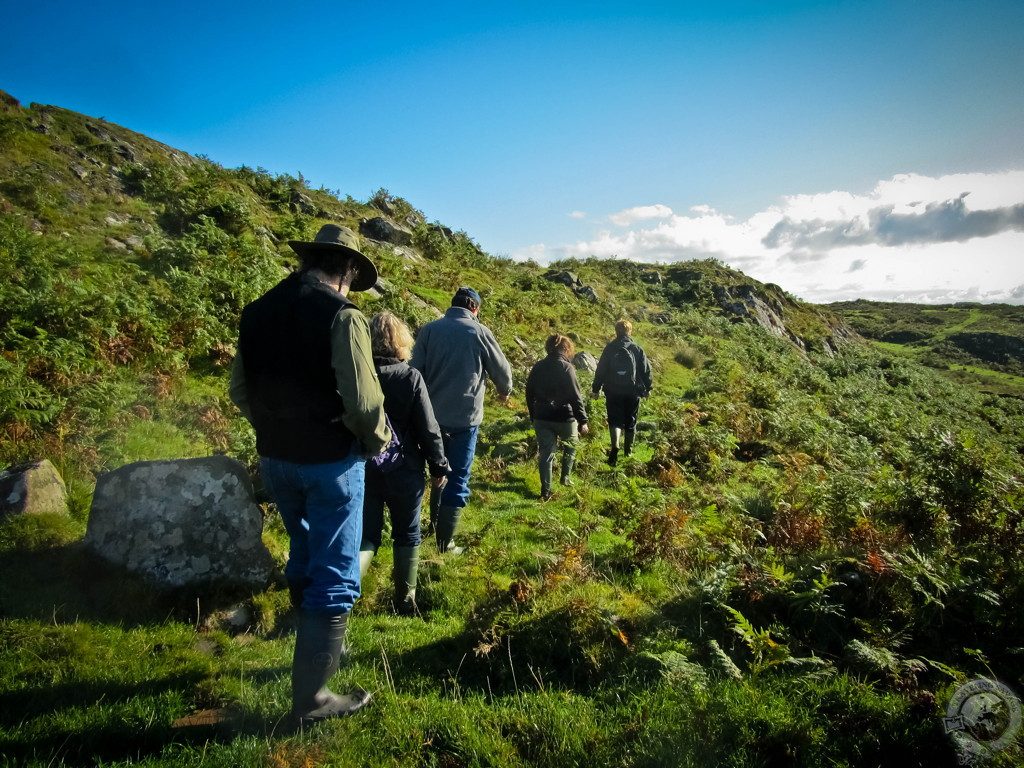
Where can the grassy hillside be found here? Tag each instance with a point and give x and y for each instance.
(978, 344)
(814, 543)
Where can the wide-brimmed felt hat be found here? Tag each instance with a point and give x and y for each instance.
(339, 239)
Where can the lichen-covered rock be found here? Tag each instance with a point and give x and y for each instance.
(35, 488)
(584, 361)
(180, 522)
(380, 228)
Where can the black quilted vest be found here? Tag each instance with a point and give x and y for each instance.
(285, 341)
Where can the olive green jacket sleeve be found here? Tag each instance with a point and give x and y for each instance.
(236, 389)
(357, 380)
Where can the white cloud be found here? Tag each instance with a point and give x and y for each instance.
(911, 238)
(640, 213)
(577, 215)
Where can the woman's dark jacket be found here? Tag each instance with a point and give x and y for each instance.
(408, 408)
(552, 392)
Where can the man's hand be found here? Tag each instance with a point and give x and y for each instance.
(503, 399)
(437, 483)
(584, 429)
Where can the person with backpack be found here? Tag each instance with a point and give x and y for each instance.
(556, 407)
(394, 478)
(625, 375)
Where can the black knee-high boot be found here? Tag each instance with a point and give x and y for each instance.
(319, 649)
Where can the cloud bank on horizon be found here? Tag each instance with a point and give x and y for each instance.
(958, 237)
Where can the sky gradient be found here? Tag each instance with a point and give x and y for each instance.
(784, 138)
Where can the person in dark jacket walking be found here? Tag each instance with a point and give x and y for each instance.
(304, 378)
(456, 355)
(625, 374)
(556, 407)
(397, 479)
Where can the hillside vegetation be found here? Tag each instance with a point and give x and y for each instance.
(815, 541)
(978, 344)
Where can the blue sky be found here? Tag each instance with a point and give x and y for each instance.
(654, 131)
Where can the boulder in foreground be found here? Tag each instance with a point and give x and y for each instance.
(35, 488)
(181, 522)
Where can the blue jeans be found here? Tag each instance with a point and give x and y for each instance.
(402, 492)
(322, 509)
(459, 447)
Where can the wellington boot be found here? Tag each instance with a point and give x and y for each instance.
(407, 563)
(627, 444)
(319, 648)
(366, 553)
(444, 530)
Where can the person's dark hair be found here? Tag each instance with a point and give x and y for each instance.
(332, 263)
(557, 343)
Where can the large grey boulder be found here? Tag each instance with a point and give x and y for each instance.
(380, 228)
(584, 361)
(35, 488)
(181, 522)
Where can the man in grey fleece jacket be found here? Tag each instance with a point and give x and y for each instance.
(456, 355)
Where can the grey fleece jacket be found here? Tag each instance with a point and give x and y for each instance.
(456, 354)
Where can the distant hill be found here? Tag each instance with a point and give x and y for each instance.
(816, 540)
(980, 344)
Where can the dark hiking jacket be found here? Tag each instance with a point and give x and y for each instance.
(408, 408)
(552, 392)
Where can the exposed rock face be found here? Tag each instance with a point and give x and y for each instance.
(32, 489)
(584, 361)
(180, 522)
(572, 280)
(651, 277)
(380, 228)
(743, 301)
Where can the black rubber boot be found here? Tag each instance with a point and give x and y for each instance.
(319, 648)
(627, 445)
(444, 529)
(613, 454)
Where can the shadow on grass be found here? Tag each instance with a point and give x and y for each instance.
(68, 583)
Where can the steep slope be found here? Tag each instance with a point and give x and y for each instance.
(813, 544)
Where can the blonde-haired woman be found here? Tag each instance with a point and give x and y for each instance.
(556, 406)
(395, 478)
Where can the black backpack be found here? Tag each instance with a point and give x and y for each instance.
(621, 378)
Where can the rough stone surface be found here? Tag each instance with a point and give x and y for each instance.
(651, 276)
(379, 228)
(570, 279)
(584, 361)
(35, 488)
(587, 292)
(188, 521)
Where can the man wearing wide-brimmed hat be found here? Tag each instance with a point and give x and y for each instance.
(304, 378)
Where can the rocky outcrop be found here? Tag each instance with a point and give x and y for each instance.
(35, 488)
(190, 521)
(572, 281)
(746, 303)
(385, 230)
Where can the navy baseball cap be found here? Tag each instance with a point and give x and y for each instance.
(465, 292)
